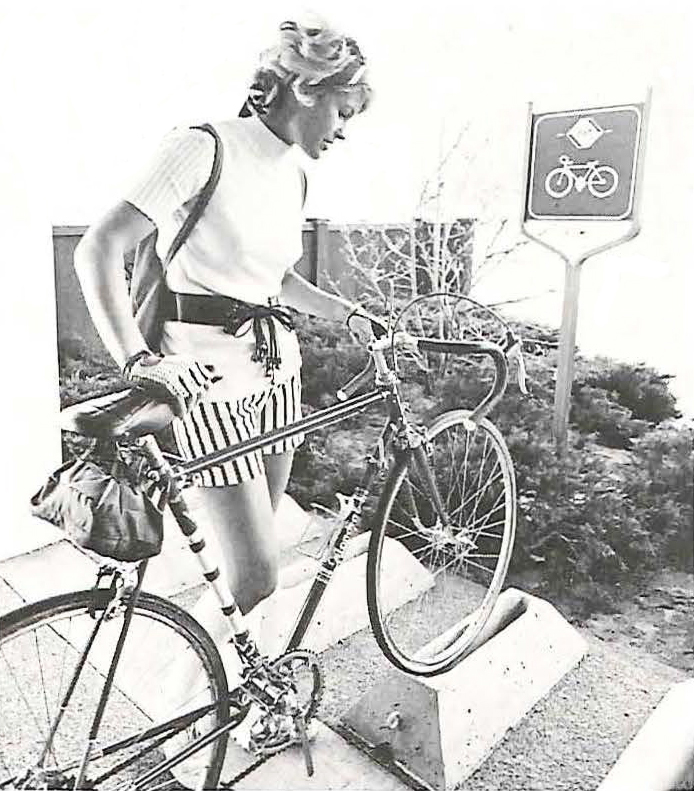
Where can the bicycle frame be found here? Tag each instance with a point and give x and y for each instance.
(387, 391)
(174, 477)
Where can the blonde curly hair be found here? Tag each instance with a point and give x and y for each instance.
(309, 57)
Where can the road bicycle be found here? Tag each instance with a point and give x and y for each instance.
(600, 180)
(75, 668)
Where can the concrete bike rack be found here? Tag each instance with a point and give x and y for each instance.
(661, 755)
(438, 731)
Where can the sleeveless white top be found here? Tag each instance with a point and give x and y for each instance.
(242, 246)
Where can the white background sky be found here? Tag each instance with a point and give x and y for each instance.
(89, 87)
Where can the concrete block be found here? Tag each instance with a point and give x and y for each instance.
(441, 729)
(337, 765)
(661, 755)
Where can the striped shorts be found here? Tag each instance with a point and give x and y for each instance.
(214, 425)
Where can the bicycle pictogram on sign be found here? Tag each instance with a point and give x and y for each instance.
(600, 180)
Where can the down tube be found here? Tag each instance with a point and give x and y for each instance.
(330, 563)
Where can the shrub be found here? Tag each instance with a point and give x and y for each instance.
(595, 411)
(638, 388)
(660, 486)
(330, 359)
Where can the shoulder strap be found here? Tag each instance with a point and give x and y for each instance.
(203, 198)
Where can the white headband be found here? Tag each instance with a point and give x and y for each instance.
(354, 79)
(357, 75)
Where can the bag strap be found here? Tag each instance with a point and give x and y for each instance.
(203, 197)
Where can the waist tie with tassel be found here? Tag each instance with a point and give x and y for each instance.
(237, 318)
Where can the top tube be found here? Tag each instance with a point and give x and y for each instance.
(313, 422)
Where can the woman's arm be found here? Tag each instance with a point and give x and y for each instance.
(99, 261)
(298, 293)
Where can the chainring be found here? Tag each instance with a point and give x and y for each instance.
(300, 670)
(308, 693)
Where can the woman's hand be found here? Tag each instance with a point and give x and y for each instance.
(175, 378)
(361, 325)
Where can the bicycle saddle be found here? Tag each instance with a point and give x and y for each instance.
(130, 412)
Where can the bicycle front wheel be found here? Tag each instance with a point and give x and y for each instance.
(54, 658)
(451, 505)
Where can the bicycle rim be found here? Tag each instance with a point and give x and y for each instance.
(459, 550)
(40, 649)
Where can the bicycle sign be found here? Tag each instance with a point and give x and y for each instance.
(601, 180)
(583, 163)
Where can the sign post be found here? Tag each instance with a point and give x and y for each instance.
(582, 165)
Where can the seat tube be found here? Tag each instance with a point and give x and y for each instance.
(198, 546)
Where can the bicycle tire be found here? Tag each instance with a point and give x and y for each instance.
(606, 173)
(437, 626)
(558, 176)
(51, 631)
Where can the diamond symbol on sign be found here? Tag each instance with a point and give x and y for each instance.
(585, 133)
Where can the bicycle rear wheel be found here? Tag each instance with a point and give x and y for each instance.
(452, 505)
(41, 646)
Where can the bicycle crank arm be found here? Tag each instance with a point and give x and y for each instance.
(305, 746)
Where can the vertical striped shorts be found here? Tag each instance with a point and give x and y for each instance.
(214, 425)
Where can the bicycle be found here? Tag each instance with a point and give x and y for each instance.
(448, 499)
(601, 180)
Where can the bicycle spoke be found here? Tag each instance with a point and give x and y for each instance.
(22, 694)
(498, 477)
(478, 566)
(43, 681)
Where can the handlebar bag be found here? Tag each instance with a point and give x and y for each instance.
(101, 506)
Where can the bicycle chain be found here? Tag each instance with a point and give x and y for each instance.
(263, 759)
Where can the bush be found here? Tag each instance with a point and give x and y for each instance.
(660, 487)
(641, 390)
(594, 411)
(330, 359)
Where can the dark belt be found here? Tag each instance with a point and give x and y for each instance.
(236, 318)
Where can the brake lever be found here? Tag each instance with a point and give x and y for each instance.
(514, 352)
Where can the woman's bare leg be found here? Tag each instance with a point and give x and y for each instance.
(278, 467)
(243, 524)
(241, 518)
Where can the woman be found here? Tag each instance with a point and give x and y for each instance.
(242, 249)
